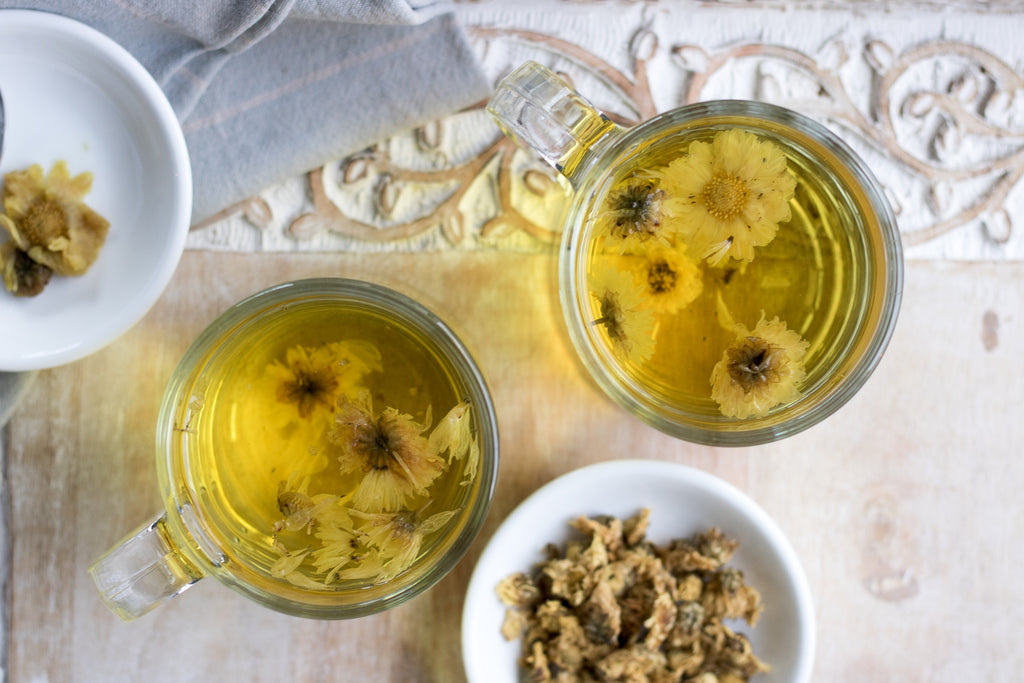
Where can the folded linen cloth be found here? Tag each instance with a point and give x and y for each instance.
(267, 89)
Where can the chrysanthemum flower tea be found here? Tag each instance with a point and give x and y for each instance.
(730, 271)
(708, 230)
(326, 447)
(335, 446)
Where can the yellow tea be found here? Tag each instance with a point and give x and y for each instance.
(328, 445)
(728, 265)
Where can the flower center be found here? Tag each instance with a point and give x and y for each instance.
(754, 362)
(403, 525)
(637, 209)
(44, 221)
(724, 196)
(310, 386)
(611, 317)
(377, 446)
(661, 277)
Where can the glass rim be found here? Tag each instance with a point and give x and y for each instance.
(704, 429)
(440, 560)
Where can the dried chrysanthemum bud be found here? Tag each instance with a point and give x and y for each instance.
(759, 370)
(716, 546)
(518, 590)
(727, 596)
(690, 618)
(733, 193)
(22, 276)
(47, 219)
(734, 658)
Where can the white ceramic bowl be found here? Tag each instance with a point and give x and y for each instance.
(72, 93)
(682, 501)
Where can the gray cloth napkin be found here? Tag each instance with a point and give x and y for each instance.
(267, 89)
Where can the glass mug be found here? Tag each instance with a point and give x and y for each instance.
(327, 448)
(730, 272)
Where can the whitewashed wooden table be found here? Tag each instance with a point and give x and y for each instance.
(904, 507)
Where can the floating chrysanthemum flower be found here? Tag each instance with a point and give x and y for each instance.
(309, 378)
(620, 301)
(47, 219)
(314, 378)
(398, 537)
(634, 211)
(761, 369)
(733, 192)
(671, 280)
(388, 450)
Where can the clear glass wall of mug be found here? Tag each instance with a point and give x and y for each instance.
(730, 271)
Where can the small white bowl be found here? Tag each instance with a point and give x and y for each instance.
(72, 93)
(682, 501)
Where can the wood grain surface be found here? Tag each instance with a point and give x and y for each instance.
(904, 507)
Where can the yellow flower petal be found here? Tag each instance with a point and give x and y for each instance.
(340, 545)
(453, 434)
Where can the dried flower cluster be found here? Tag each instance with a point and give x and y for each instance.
(371, 514)
(51, 229)
(662, 229)
(616, 607)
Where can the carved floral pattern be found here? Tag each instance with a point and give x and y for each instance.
(941, 124)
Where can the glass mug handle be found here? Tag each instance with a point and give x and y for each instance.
(142, 571)
(540, 111)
